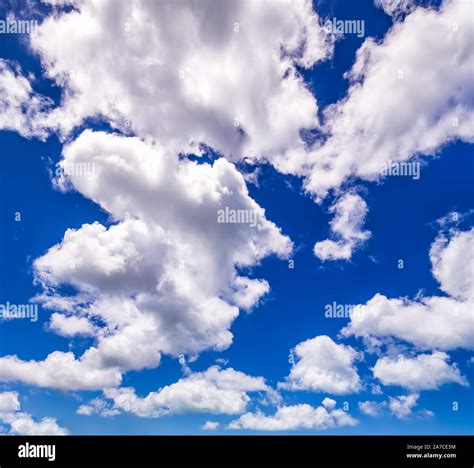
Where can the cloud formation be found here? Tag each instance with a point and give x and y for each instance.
(21, 423)
(324, 366)
(21, 109)
(230, 82)
(301, 416)
(431, 322)
(140, 280)
(217, 391)
(423, 372)
(350, 211)
(401, 103)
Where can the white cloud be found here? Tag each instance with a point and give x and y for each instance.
(70, 326)
(97, 406)
(213, 391)
(453, 264)
(396, 7)
(236, 61)
(376, 389)
(249, 292)
(329, 403)
(206, 94)
(350, 212)
(427, 323)
(61, 2)
(434, 322)
(210, 426)
(21, 109)
(401, 102)
(21, 423)
(197, 88)
(141, 278)
(372, 408)
(60, 370)
(424, 372)
(24, 424)
(324, 366)
(401, 407)
(9, 402)
(288, 418)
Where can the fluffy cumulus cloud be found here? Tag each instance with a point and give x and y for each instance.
(9, 402)
(301, 416)
(70, 326)
(219, 105)
(402, 406)
(423, 372)
(20, 423)
(372, 408)
(401, 103)
(97, 406)
(212, 391)
(350, 212)
(399, 406)
(230, 81)
(433, 322)
(141, 278)
(60, 370)
(210, 426)
(452, 257)
(21, 109)
(324, 366)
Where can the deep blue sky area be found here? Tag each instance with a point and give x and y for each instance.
(402, 218)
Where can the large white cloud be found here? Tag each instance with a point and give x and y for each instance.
(432, 322)
(301, 416)
(350, 212)
(231, 81)
(141, 280)
(213, 391)
(237, 60)
(423, 372)
(324, 366)
(410, 94)
(21, 423)
(60, 370)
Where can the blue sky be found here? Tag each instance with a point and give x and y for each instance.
(401, 216)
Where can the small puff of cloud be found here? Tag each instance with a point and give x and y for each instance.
(350, 212)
